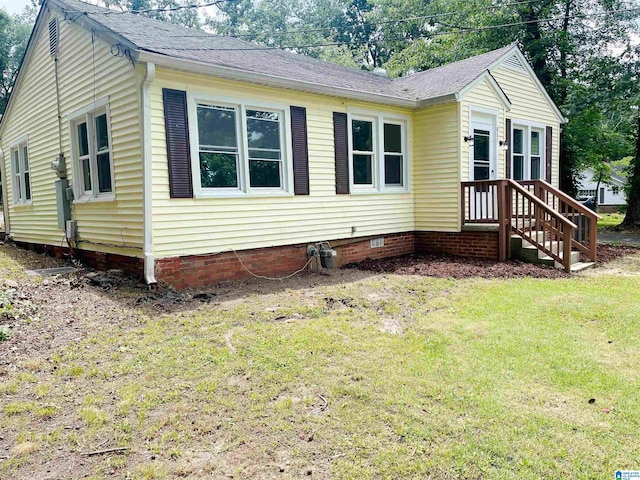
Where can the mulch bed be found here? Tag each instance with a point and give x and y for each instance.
(606, 253)
(447, 266)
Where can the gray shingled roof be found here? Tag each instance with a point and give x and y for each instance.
(198, 46)
(451, 78)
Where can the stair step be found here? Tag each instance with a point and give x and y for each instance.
(580, 266)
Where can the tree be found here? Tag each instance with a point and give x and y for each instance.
(188, 17)
(14, 35)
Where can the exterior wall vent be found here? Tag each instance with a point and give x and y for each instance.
(54, 37)
(377, 242)
(514, 63)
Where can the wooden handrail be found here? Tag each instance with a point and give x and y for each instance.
(564, 197)
(587, 231)
(541, 216)
(539, 203)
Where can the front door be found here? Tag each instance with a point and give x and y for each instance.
(483, 165)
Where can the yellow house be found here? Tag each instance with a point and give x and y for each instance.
(190, 158)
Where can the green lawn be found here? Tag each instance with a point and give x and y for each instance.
(610, 220)
(422, 378)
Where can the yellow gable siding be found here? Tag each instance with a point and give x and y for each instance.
(529, 104)
(202, 225)
(436, 168)
(483, 96)
(108, 225)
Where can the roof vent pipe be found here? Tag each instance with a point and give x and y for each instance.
(381, 72)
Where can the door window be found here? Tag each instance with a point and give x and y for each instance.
(481, 154)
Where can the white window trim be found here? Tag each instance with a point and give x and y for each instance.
(18, 145)
(244, 189)
(88, 114)
(487, 117)
(379, 119)
(528, 126)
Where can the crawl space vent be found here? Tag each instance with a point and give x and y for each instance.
(54, 37)
(514, 63)
(377, 242)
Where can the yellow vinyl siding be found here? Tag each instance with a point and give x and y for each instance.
(114, 226)
(203, 225)
(436, 168)
(529, 104)
(483, 96)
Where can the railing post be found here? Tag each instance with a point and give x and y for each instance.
(566, 248)
(463, 215)
(502, 236)
(593, 239)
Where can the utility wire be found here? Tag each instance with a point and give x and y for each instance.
(462, 30)
(155, 10)
(400, 20)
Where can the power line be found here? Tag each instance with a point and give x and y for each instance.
(400, 20)
(463, 30)
(155, 10)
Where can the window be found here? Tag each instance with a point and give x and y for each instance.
(21, 173)
(586, 193)
(241, 149)
(615, 190)
(363, 155)
(378, 154)
(601, 194)
(527, 145)
(92, 157)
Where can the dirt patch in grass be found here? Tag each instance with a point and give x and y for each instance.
(447, 266)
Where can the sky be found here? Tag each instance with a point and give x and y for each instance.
(14, 6)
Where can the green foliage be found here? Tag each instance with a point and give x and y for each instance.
(14, 34)
(187, 17)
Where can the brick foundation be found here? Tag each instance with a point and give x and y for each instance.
(200, 270)
(462, 244)
(133, 266)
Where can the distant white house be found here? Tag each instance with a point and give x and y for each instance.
(610, 196)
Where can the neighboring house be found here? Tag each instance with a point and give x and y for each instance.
(611, 197)
(186, 151)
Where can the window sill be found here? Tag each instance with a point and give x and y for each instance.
(375, 191)
(239, 194)
(23, 204)
(84, 200)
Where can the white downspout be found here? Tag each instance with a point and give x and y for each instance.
(147, 166)
(5, 195)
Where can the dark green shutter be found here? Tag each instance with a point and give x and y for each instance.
(300, 150)
(549, 152)
(507, 153)
(178, 149)
(341, 146)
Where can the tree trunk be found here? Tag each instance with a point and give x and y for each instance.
(632, 219)
(595, 199)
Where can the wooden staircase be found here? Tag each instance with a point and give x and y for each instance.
(528, 252)
(536, 222)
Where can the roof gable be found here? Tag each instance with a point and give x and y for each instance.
(515, 60)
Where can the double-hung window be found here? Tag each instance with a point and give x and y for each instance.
(527, 145)
(241, 149)
(21, 173)
(378, 154)
(92, 155)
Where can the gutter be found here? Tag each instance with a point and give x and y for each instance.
(147, 170)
